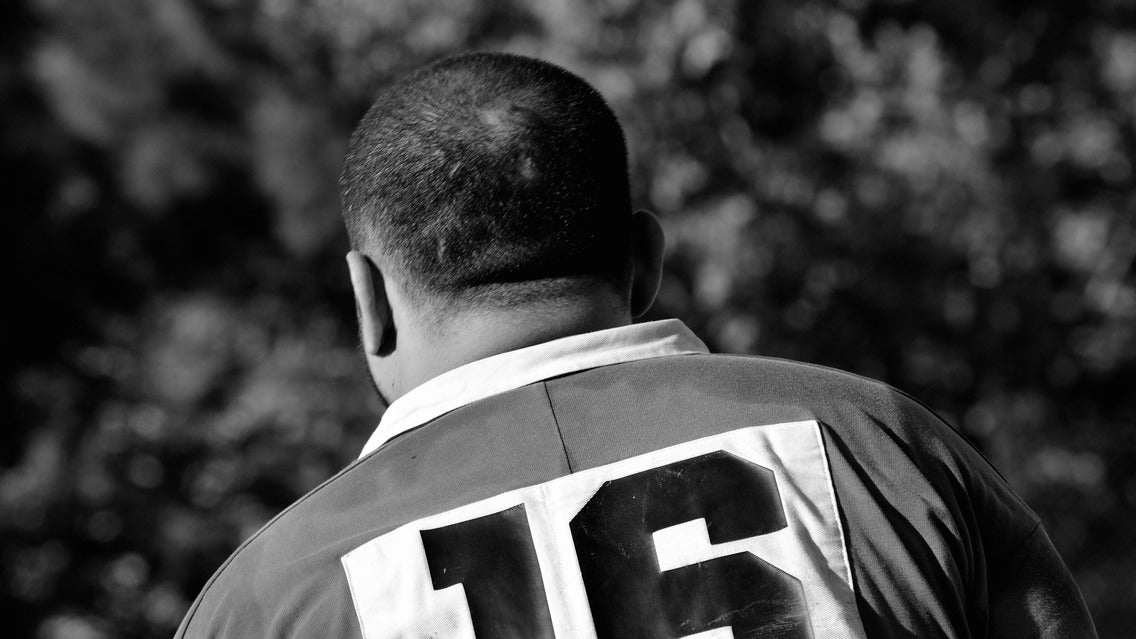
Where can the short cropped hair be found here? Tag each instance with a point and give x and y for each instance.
(491, 177)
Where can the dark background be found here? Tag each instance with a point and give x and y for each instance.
(935, 193)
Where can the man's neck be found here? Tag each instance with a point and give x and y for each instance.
(481, 333)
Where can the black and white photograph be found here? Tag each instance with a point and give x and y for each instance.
(568, 319)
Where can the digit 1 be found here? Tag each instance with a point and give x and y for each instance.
(631, 597)
(494, 559)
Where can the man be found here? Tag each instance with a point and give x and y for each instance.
(547, 469)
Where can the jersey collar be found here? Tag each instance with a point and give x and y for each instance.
(507, 371)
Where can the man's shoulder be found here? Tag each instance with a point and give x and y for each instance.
(848, 404)
(758, 378)
(291, 566)
(625, 409)
(292, 558)
(915, 497)
(288, 574)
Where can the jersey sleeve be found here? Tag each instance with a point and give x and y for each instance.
(1033, 595)
(1002, 518)
(994, 523)
(928, 517)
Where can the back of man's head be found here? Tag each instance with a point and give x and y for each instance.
(490, 179)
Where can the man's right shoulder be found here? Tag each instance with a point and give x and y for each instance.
(287, 579)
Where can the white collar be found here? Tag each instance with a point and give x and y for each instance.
(507, 371)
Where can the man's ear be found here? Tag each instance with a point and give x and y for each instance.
(371, 303)
(648, 244)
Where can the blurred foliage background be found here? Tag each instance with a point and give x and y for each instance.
(937, 193)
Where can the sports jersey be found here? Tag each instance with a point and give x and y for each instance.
(626, 483)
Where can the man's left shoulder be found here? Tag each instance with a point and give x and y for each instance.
(760, 378)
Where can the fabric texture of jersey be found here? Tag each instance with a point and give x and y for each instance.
(924, 520)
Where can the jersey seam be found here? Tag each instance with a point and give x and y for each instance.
(1021, 543)
(559, 432)
(845, 542)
